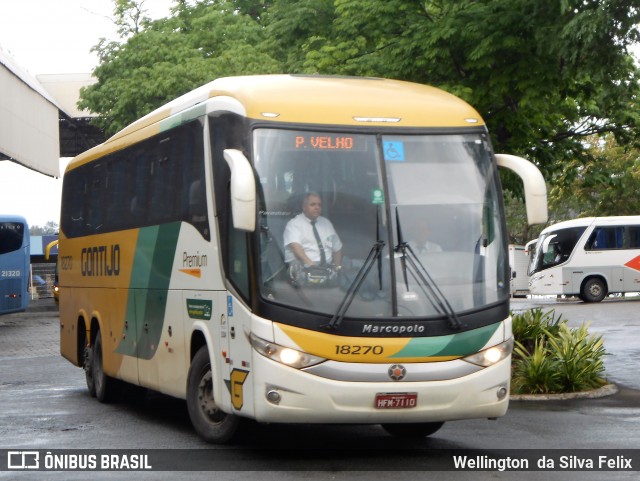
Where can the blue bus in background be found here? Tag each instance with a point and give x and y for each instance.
(14, 263)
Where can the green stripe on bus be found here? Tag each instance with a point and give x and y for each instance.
(461, 344)
(147, 301)
(183, 117)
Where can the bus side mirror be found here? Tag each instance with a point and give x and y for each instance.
(243, 190)
(535, 189)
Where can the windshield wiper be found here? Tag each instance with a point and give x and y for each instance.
(420, 274)
(429, 287)
(374, 254)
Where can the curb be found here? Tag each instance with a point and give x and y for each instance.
(607, 390)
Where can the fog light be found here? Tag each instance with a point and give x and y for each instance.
(273, 397)
(502, 393)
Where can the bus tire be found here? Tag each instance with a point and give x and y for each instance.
(212, 424)
(412, 430)
(104, 385)
(87, 365)
(593, 290)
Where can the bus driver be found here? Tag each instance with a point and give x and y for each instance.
(310, 239)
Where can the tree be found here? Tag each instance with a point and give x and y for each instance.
(50, 228)
(296, 27)
(129, 17)
(607, 186)
(548, 77)
(171, 56)
(545, 75)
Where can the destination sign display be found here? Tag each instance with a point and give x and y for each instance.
(317, 141)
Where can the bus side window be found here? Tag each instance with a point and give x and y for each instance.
(194, 198)
(72, 201)
(634, 237)
(605, 238)
(226, 133)
(94, 220)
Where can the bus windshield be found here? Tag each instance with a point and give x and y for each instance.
(14, 264)
(416, 223)
(554, 248)
(11, 236)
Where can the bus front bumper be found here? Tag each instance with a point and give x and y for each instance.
(284, 394)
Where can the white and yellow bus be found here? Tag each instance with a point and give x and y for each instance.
(173, 275)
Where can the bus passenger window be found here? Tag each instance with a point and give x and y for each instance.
(605, 238)
(634, 237)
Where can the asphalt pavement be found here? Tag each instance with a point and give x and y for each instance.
(45, 405)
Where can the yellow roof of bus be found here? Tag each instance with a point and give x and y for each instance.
(312, 99)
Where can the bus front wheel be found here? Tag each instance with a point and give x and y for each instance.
(419, 430)
(212, 424)
(594, 290)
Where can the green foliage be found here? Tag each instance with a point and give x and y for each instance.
(169, 57)
(579, 356)
(550, 78)
(534, 324)
(518, 228)
(597, 188)
(543, 74)
(600, 188)
(50, 228)
(551, 357)
(535, 372)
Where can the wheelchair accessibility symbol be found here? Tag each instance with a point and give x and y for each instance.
(393, 150)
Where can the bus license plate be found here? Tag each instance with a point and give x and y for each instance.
(400, 400)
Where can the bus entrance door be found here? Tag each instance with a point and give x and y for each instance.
(236, 353)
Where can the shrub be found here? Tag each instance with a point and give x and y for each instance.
(580, 358)
(536, 372)
(551, 357)
(534, 324)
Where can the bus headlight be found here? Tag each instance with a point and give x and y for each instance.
(284, 355)
(491, 356)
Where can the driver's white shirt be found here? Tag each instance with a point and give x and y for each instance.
(300, 231)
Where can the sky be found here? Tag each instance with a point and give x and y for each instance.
(43, 37)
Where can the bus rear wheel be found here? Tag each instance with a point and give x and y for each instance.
(593, 290)
(211, 423)
(419, 430)
(104, 385)
(87, 365)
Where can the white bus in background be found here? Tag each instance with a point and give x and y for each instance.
(589, 258)
(519, 263)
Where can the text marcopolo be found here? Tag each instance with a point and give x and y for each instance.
(392, 329)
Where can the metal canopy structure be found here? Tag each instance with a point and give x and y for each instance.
(35, 128)
(77, 134)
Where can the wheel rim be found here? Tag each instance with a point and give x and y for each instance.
(206, 402)
(595, 290)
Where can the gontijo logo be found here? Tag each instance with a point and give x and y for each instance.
(100, 260)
